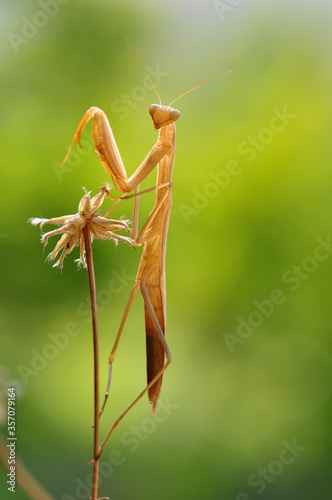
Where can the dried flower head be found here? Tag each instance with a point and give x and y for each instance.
(72, 228)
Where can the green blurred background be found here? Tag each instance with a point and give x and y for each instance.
(229, 403)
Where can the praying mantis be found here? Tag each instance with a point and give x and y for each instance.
(150, 278)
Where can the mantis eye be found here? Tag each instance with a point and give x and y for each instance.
(153, 108)
(174, 115)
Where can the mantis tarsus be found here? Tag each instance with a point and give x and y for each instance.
(150, 277)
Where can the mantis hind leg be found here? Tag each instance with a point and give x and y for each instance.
(115, 346)
(162, 339)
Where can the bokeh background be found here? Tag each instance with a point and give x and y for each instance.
(235, 396)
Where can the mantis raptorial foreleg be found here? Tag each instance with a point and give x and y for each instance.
(110, 157)
(109, 154)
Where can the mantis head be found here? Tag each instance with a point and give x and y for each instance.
(163, 115)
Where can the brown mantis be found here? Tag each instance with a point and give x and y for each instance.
(150, 278)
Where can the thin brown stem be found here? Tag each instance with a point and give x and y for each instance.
(93, 299)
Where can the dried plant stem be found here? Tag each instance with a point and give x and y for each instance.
(93, 299)
(24, 478)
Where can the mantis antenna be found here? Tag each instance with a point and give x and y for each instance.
(200, 85)
(156, 91)
(131, 50)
